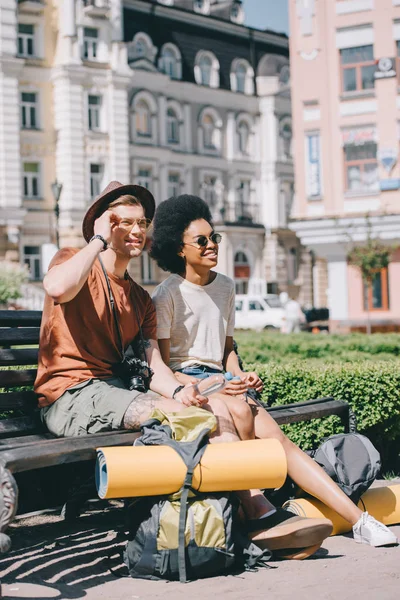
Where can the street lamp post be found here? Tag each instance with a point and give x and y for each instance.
(56, 188)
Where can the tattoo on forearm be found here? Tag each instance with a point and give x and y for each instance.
(147, 344)
(138, 411)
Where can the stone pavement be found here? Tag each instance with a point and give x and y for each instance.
(54, 559)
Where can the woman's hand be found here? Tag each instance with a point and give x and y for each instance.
(236, 387)
(252, 380)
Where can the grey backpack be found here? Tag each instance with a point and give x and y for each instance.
(351, 460)
(187, 535)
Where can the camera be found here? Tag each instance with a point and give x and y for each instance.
(135, 373)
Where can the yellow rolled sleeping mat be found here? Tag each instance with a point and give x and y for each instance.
(383, 503)
(130, 471)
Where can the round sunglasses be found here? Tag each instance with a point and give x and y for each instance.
(202, 240)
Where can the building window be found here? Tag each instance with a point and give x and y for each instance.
(170, 62)
(242, 76)
(292, 265)
(242, 273)
(29, 110)
(243, 210)
(33, 260)
(376, 296)
(205, 64)
(313, 165)
(90, 41)
(241, 72)
(361, 167)
(94, 112)
(143, 119)
(243, 137)
(201, 6)
(26, 40)
(174, 184)
(358, 68)
(141, 48)
(209, 190)
(96, 179)
(31, 179)
(146, 267)
(172, 127)
(144, 178)
(206, 70)
(209, 131)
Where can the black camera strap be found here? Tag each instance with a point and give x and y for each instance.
(114, 310)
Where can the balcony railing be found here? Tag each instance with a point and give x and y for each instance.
(96, 8)
(31, 6)
(238, 213)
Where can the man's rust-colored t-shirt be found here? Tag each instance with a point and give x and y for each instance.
(79, 340)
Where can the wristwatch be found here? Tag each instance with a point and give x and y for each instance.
(178, 389)
(99, 237)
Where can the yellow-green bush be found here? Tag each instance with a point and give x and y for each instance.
(371, 388)
(265, 346)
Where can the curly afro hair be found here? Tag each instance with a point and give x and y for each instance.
(172, 218)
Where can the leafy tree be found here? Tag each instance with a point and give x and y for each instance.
(370, 258)
(12, 276)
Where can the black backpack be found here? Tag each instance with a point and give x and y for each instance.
(188, 535)
(351, 460)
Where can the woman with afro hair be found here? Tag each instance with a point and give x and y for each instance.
(195, 314)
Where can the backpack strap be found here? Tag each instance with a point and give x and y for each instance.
(190, 452)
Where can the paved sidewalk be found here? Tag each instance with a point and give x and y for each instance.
(53, 559)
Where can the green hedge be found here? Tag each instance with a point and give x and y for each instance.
(371, 388)
(266, 346)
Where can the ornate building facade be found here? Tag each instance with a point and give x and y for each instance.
(346, 110)
(176, 95)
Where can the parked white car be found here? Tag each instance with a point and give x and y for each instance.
(258, 312)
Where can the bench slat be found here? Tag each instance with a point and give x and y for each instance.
(26, 401)
(62, 451)
(10, 336)
(19, 426)
(306, 411)
(16, 442)
(21, 356)
(13, 378)
(18, 318)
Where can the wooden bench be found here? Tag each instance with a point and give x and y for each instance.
(25, 445)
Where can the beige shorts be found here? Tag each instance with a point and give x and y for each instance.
(91, 407)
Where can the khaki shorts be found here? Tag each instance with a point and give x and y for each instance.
(91, 407)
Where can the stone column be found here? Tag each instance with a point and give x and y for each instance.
(71, 167)
(118, 112)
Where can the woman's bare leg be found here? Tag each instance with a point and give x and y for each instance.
(241, 413)
(305, 471)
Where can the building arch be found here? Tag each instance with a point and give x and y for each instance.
(206, 69)
(170, 61)
(242, 77)
(210, 131)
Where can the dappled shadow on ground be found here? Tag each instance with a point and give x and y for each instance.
(65, 558)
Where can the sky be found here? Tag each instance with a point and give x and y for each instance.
(267, 14)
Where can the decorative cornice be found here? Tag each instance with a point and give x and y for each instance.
(208, 22)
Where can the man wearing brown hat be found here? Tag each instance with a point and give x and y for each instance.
(82, 338)
(81, 335)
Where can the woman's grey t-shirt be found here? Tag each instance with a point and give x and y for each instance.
(196, 319)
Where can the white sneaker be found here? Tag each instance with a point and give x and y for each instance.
(368, 530)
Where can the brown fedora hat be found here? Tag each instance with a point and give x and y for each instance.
(114, 190)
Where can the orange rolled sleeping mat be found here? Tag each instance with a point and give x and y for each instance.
(383, 503)
(130, 471)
